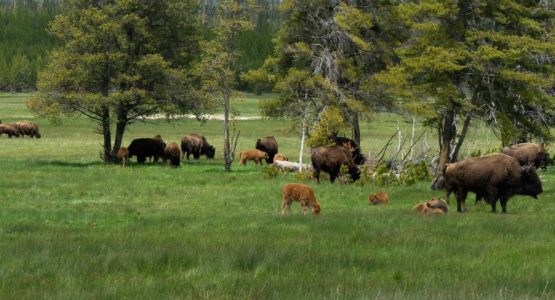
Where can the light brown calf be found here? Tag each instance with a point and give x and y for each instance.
(302, 193)
(435, 205)
(123, 154)
(378, 198)
(280, 156)
(252, 154)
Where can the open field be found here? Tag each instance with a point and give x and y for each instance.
(72, 227)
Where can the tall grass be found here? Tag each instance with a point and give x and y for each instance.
(72, 227)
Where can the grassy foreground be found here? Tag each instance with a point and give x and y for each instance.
(72, 227)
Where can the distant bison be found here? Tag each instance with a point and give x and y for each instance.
(28, 128)
(302, 193)
(378, 198)
(252, 154)
(9, 130)
(123, 155)
(146, 147)
(528, 154)
(330, 159)
(269, 145)
(281, 157)
(197, 145)
(494, 176)
(358, 157)
(172, 154)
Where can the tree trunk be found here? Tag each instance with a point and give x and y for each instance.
(356, 128)
(455, 155)
(448, 133)
(303, 136)
(106, 133)
(227, 148)
(121, 123)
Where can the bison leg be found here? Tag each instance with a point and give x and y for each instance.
(503, 202)
(196, 154)
(141, 159)
(285, 203)
(461, 196)
(316, 175)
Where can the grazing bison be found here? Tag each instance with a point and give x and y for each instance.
(173, 154)
(358, 157)
(528, 154)
(269, 145)
(197, 145)
(9, 130)
(302, 193)
(28, 128)
(494, 176)
(378, 198)
(252, 154)
(330, 159)
(281, 157)
(146, 147)
(123, 155)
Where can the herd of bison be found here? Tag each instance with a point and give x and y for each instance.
(493, 177)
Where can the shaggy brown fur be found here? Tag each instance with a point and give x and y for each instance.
(433, 206)
(378, 198)
(302, 193)
(197, 145)
(528, 154)
(173, 154)
(123, 154)
(9, 130)
(495, 176)
(28, 128)
(280, 156)
(252, 154)
(269, 145)
(330, 159)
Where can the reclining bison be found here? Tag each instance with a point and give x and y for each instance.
(330, 159)
(146, 147)
(197, 145)
(495, 176)
(528, 154)
(269, 145)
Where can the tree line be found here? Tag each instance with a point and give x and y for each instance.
(25, 40)
(451, 62)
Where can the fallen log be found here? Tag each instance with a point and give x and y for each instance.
(290, 166)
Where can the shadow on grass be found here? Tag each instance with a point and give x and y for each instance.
(73, 164)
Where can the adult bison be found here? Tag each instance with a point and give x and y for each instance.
(330, 159)
(9, 130)
(269, 145)
(528, 154)
(197, 145)
(495, 176)
(28, 128)
(172, 154)
(358, 157)
(146, 147)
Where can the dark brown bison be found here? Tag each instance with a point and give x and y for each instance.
(172, 154)
(146, 147)
(9, 130)
(197, 145)
(28, 128)
(358, 157)
(495, 176)
(330, 159)
(269, 145)
(528, 154)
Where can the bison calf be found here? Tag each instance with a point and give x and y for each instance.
(280, 156)
(435, 205)
(378, 198)
(252, 154)
(123, 155)
(302, 193)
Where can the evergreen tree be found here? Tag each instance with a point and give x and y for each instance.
(120, 60)
(476, 58)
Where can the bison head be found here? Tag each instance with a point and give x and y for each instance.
(354, 171)
(316, 209)
(210, 151)
(530, 184)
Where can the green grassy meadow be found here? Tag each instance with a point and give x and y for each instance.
(72, 227)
